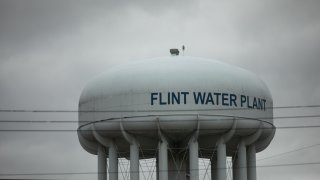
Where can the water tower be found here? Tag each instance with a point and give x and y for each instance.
(176, 105)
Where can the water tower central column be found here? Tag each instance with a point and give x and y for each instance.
(213, 162)
(163, 158)
(194, 159)
(194, 154)
(134, 161)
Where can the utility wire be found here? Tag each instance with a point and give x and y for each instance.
(151, 130)
(136, 121)
(262, 166)
(94, 173)
(288, 152)
(76, 111)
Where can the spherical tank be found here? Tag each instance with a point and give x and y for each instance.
(177, 97)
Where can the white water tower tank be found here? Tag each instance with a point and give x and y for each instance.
(169, 103)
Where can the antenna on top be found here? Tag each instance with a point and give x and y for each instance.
(183, 48)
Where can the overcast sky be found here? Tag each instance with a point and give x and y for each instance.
(49, 50)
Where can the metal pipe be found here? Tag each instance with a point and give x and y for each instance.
(234, 168)
(157, 168)
(213, 162)
(134, 161)
(194, 161)
(163, 158)
(251, 162)
(102, 163)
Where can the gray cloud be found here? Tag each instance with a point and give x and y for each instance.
(33, 22)
(49, 50)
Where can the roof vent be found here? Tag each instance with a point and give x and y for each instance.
(174, 52)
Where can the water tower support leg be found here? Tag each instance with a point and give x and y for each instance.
(234, 167)
(251, 153)
(157, 167)
(134, 153)
(163, 159)
(249, 141)
(193, 158)
(242, 161)
(194, 154)
(102, 163)
(221, 161)
(222, 152)
(214, 169)
(113, 163)
(134, 161)
(113, 158)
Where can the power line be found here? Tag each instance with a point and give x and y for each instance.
(220, 109)
(152, 130)
(136, 121)
(288, 152)
(94, 173)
